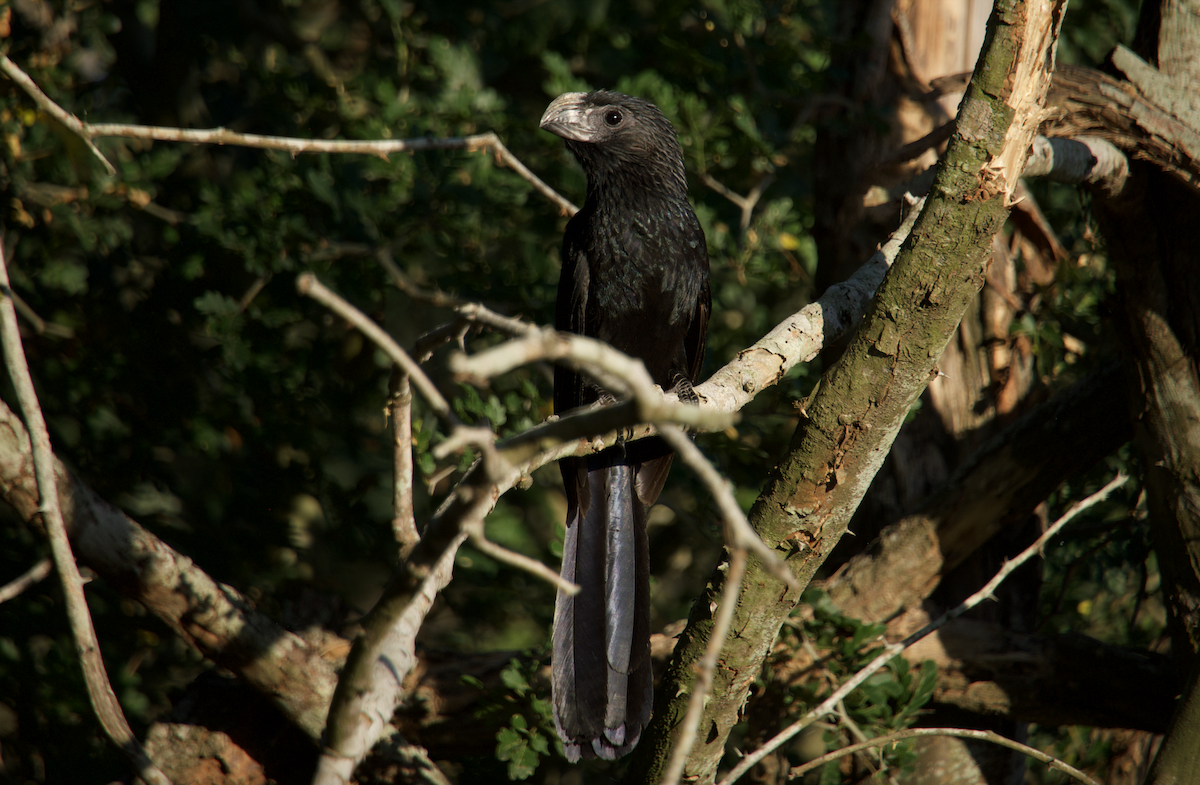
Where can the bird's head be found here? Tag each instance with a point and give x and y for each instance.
(618, 137)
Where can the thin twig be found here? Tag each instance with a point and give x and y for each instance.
(404, 283)
(745, 204)
(477, 313)
(307, 284)
(221, 136)
(913, 733)
(42, 326)
(404, 520)
(891, 650)
(520, 561)
(707, 666)
(34, 574)
(54, 110)
(463, 437)
(104, 702)
(253, 291)
(498, 466)
(740, 534)
(468, 315)
(379, 147)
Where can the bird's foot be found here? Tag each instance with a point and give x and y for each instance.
(684, 389)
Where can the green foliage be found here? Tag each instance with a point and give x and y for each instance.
(185, 379)
(889, 700)
(1102, 576)
(523, 744)
(526, 736)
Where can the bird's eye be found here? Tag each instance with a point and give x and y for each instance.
(613, 117)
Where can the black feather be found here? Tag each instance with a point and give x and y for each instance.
(635, 275)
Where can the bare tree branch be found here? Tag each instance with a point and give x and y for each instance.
(104, 702)
(370, 685)
(614, 370)
(404, 521)
(34, 574)
(307, 284)
(87, 132)
(1083, 160)
(738, 532)
(893, 649)
(740, 538)
(222, 136)
(800, 337)
(744, 203)
(518, 560)
(212, 617)
(54, 110)
(1000, 484)
(912, 733)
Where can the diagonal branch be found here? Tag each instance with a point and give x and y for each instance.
(72, 123)
(35, 574)
(307, 284)
(104, 702)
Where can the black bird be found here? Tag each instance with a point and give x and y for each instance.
(635, 275)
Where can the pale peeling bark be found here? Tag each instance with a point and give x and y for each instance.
(800, 337)
(1082, 160)
(367, 699)
(861, 402)
(1086, 103)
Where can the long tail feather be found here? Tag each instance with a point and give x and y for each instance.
(603, 685)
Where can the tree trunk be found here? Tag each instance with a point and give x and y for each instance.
(853, 418)
(1150, 229)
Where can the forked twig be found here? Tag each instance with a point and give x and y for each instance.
(72, 123)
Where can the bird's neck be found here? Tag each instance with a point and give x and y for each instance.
(635, 189)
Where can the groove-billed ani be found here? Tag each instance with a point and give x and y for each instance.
(635, 275)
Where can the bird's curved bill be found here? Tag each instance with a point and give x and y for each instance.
(567, 117)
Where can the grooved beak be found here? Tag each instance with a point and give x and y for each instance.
(566, 116)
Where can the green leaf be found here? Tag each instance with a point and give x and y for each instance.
(67, 275)
(514, 747)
